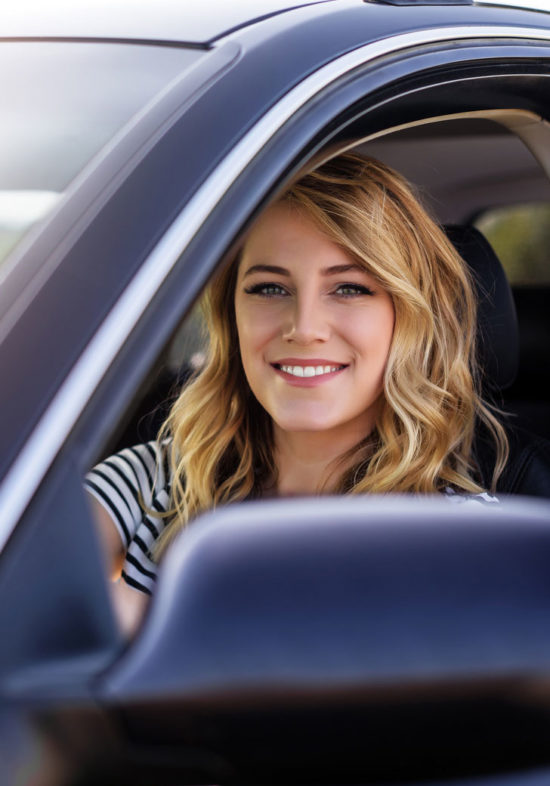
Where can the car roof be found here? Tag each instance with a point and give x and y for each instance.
(184, 23)
(161, 20)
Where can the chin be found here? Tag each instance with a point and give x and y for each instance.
(304, 428)
(306, 423)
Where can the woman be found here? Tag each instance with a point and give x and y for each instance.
(341, 360)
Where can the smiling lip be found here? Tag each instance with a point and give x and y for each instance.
(307, 373)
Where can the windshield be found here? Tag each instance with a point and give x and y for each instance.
(61, 103)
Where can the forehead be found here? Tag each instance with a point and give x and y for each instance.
(286, 234)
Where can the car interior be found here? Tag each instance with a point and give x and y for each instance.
(475, 172)
(468, 169)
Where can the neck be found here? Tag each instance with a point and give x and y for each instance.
(310, 462)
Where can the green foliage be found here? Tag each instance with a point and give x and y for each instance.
(521, 238)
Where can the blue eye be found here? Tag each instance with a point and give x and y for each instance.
(266, 289)
(352, 290)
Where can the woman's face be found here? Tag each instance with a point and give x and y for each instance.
(314, 328)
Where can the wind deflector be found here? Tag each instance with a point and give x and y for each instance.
(397, 637)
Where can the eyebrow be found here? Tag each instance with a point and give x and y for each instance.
(282, 271)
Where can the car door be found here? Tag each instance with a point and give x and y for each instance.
(167, 205)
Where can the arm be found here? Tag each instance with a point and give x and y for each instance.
(120, 490)
(129, 605)
(110, 540)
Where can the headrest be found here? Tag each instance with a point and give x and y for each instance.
(498, 338)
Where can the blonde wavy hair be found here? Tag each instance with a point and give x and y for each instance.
(220, 438)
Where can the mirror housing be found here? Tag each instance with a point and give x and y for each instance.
(324, 639)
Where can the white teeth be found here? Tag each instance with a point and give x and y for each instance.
(309, 371)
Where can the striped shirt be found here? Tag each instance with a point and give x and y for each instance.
(134, 484)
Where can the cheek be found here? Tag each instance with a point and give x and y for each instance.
(372, 333)
(247, 331)
(256, 326)
(244, 328)
(245, 336)
(386, 325)
(253, 336)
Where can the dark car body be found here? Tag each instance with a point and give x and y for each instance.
(236, 99)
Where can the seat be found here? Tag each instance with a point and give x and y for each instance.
(528, 468)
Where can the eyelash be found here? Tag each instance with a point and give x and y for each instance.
(277, 290)
(262, 289)
(359, 289)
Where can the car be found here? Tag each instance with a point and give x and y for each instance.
(354, 640)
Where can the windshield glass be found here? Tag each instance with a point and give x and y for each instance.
(61, 103)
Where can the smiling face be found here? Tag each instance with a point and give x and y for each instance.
(314, 327)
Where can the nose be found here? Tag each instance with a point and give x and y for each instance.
(306, 322)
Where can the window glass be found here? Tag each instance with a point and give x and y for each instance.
(520, 235)
(61, 103)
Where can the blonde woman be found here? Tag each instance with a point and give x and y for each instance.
(341, 361)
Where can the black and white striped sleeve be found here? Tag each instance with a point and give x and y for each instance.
(127, 485)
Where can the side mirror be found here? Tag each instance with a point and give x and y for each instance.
(348, 638)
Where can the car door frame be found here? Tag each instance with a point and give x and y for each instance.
(363, 83)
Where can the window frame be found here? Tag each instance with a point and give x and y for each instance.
(314, 117)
